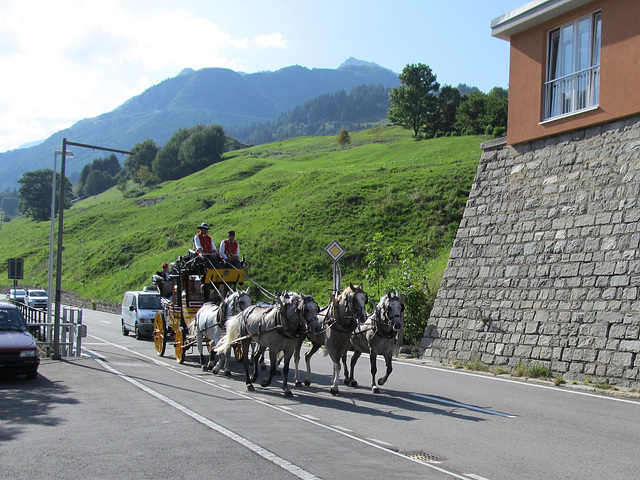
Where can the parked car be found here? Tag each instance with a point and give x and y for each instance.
(18, 350)
(36, 298)
(138, 311)
(17, 295)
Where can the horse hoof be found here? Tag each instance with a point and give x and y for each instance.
(204, 368)
(375, 390)
(347, 382)
(227, 373)
(334, 392)
(354, 383)
(298, 384)
(250, 388)
(265, 384)
(287, 393)
(381, 381)
(307, 383)
(215, 371)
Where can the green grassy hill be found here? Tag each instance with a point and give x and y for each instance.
(286, 201)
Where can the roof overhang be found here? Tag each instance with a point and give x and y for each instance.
(530, 15)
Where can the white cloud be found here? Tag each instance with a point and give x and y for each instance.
(73, 59)
(271, 40)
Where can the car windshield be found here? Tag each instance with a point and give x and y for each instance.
(10, 319)
(149, 302)
(37, 293)
(19, 292)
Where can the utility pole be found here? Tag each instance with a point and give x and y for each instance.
(56, 319)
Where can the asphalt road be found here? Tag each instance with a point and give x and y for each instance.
(124, 412)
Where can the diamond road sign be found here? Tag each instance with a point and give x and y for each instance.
(334, 250)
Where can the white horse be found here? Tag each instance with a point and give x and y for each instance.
(277, 327)
(210, 323)
(338, 321)
(377, 336)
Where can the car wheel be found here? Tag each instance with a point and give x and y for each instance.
(125, 332)
(138, 334)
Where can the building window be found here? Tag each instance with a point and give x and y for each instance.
(573, 67)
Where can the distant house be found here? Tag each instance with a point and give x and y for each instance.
(574, 63)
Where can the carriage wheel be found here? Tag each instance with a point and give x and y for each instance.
(159, 338)
(180, 345)
(237, 352)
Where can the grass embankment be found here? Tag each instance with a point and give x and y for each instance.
(286, 200)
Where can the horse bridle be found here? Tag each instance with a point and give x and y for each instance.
(304, 310)
(384, 313)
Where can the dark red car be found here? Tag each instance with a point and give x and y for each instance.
(18, 350)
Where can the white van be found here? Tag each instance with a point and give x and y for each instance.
(138, 311)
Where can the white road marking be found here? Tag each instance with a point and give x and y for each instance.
(344, 429)
(267, 455)
(462, 405)
(295, 415)
(103, 321)
(310, 417)
(523, 384)
(379, 441)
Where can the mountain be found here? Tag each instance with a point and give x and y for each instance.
(207, 96)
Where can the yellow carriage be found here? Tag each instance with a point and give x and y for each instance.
(192, 285)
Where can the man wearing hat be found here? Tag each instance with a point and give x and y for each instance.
(230, 251)
(204, 245)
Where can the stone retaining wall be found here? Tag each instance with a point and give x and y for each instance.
(545, 268)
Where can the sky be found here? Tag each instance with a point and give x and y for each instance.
(65, 60)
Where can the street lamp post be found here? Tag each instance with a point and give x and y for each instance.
(56, 320)
(51, 232)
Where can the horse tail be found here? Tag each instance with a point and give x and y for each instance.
(233, 332)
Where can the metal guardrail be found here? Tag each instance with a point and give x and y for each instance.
(72, 331)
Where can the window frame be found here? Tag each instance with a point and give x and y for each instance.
(578, 91)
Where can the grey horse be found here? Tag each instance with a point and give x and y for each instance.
(339, 321)
(277, 327)
(377, 336)
(210, 323)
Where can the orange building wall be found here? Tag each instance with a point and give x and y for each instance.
(619, 72)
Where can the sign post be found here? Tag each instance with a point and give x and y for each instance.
(16, 270)
(335, 251)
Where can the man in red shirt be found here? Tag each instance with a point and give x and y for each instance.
(230, 250)
(205, 247)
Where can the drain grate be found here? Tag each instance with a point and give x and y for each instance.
(424, 457)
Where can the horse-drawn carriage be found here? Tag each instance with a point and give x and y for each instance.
(194, 282)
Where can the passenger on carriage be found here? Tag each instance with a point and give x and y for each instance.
(230, 251)
(205, 247)
(163, 281)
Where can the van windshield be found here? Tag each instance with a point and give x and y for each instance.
(149, 302)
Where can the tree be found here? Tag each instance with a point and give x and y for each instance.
(203, 148)
(480, 113)
(145, 177)
(449, 99)
(188, 151)
(165, 165)
(35, 194)
(97, 182)
(122, 185)
(343, 138)
(413, 105)
(142, 154)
